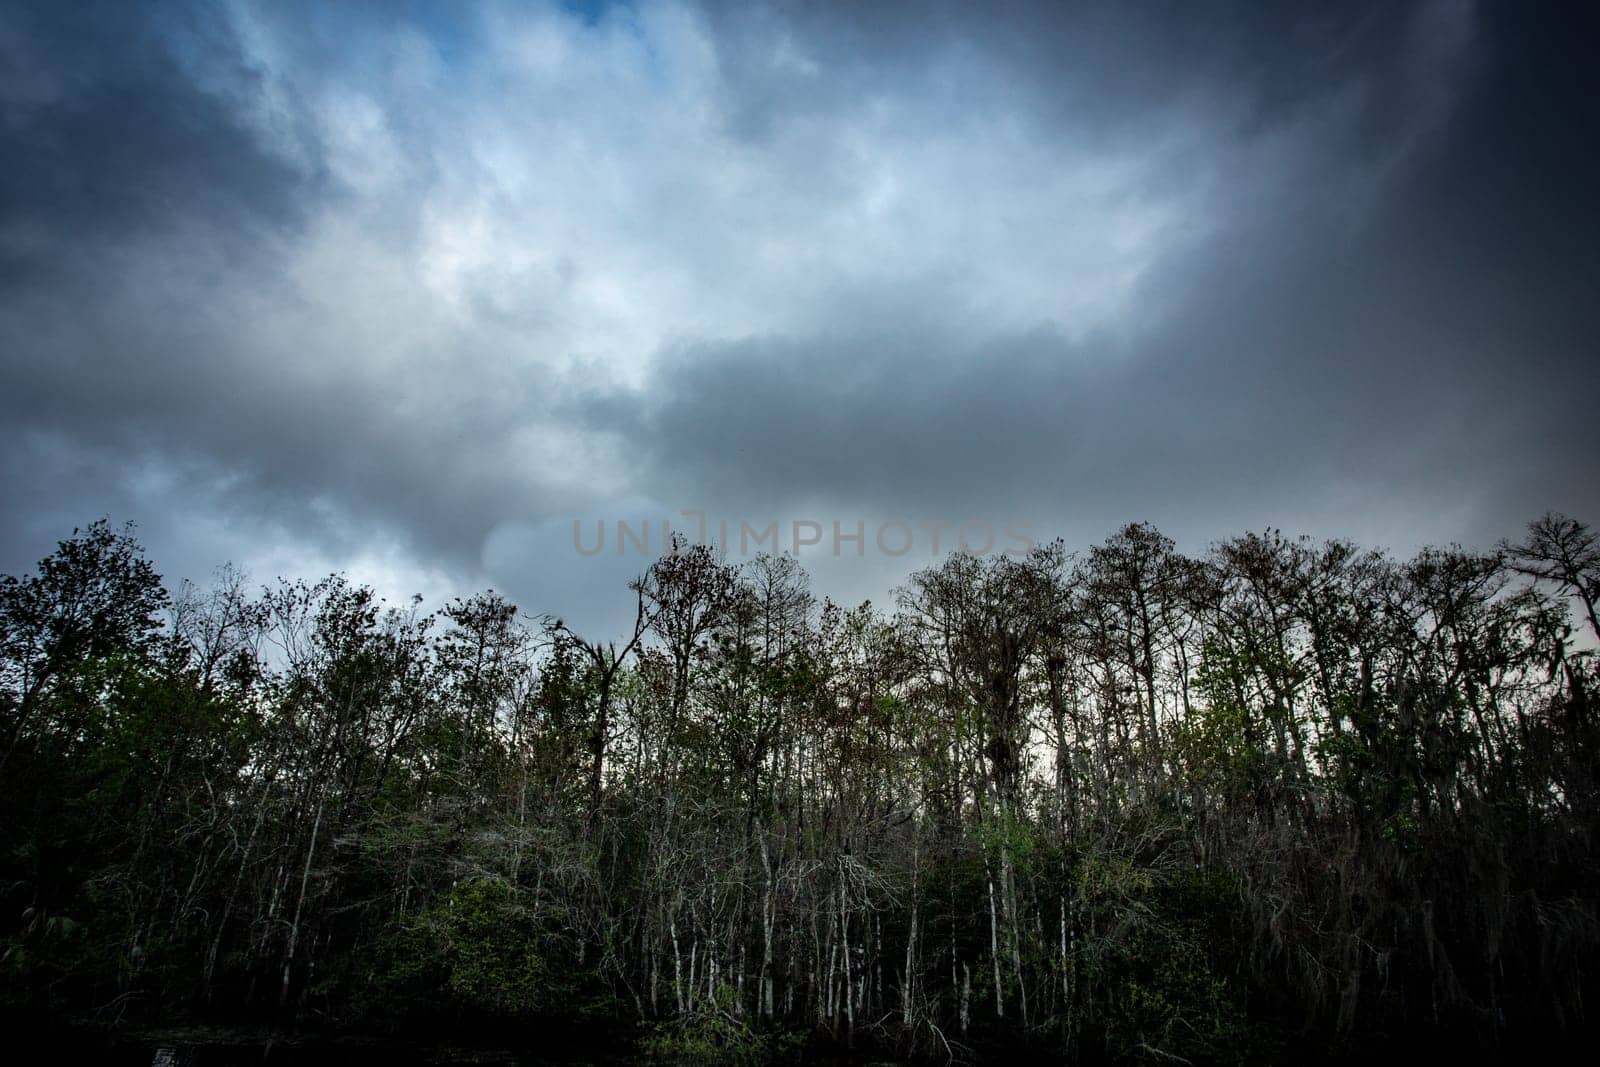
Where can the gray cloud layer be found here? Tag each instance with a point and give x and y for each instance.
(403, 293)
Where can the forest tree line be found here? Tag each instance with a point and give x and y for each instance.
(1123, 803)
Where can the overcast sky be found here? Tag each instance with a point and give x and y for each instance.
(403, 289)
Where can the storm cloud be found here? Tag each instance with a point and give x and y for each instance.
(403, 292)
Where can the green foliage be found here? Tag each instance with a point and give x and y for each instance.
(1005, 838)
(1217, 750)
(1156, 960)
(715, 1034)
(1220, 742)
(475, 945)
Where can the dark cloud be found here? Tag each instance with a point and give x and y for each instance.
(1422, 368)
(404, 290)
(107, 137)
